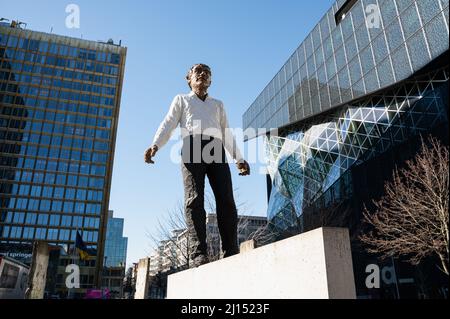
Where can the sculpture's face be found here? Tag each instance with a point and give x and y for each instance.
(199, 77)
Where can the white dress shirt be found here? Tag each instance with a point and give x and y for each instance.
(197, 117)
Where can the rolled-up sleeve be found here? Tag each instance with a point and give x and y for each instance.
(169, 123)
(228, 138)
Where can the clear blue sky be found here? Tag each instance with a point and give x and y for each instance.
(244, 42)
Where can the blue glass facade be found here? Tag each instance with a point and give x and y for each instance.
(59, 106)
(115, 244)
(350, 105)
(336, 64)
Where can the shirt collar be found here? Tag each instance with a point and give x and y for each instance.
(192, 93)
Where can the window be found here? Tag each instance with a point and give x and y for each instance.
(40, 164)
(28, 232)
(68, 207)
(31, 218)
(79, 208)
(24, 190)
(9, 276)
(42, 219)
(50, 178)
(72, 180)
(64, 234)
(45, 205)
(29, 163)
(56, 206)
(59, 192)
(16, 232)
(342, 12)
(52, 165)
(19, 218)
(77, 221)
(61, 179)
(40, 233)
(83, 181)
(54, 220)
(33, 204)
(63, 166)
(81, 194)
(70, 193)
(66, 220)
(52, 234)
(38, 177)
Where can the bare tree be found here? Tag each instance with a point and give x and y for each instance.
(264, 235)
(412, 218)
(167, 237)
(171, 237)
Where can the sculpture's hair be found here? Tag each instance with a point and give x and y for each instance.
(188, 75)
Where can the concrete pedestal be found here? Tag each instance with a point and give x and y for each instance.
(142, 279)
(313, 265)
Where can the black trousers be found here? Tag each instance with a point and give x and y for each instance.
(215, 167)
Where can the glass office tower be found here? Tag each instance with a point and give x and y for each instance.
(115, 256)
(350, 105)
(115, 244)
(59, 108)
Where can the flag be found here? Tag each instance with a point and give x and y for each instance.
(81, 247)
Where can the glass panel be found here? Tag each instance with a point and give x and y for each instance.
(428, 9)
(358, 15)
(388, 11)
(379, 48)
(340, 58)
(410, 21)
(327, 48)
(319, 57)
(362, 37)
(324, 28)
(316, 37)
(337, 37)
(308, 46)
(355, 70)
(401, 63)
(394, 35)
(371, 82)
(418, 51)
(403, 4)
(367, 59)
(344, 84)
(331, 68)
(347, 27)
(350, 47)
(436, 31)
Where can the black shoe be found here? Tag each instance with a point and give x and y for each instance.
(200, 260)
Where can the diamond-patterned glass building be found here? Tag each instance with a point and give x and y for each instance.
(350, 105)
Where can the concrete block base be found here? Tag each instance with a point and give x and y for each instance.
(312, 265)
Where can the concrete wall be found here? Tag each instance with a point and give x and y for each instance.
(316, 264)
(38, 272)
(142, 279)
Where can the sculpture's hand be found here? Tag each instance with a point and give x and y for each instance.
(149, 153)
(244, 168)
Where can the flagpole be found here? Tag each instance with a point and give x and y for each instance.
(74, 252)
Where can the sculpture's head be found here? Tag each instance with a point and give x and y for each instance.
(199, 77)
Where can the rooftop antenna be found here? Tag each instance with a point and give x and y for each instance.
(19, 23)
(51, 29)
